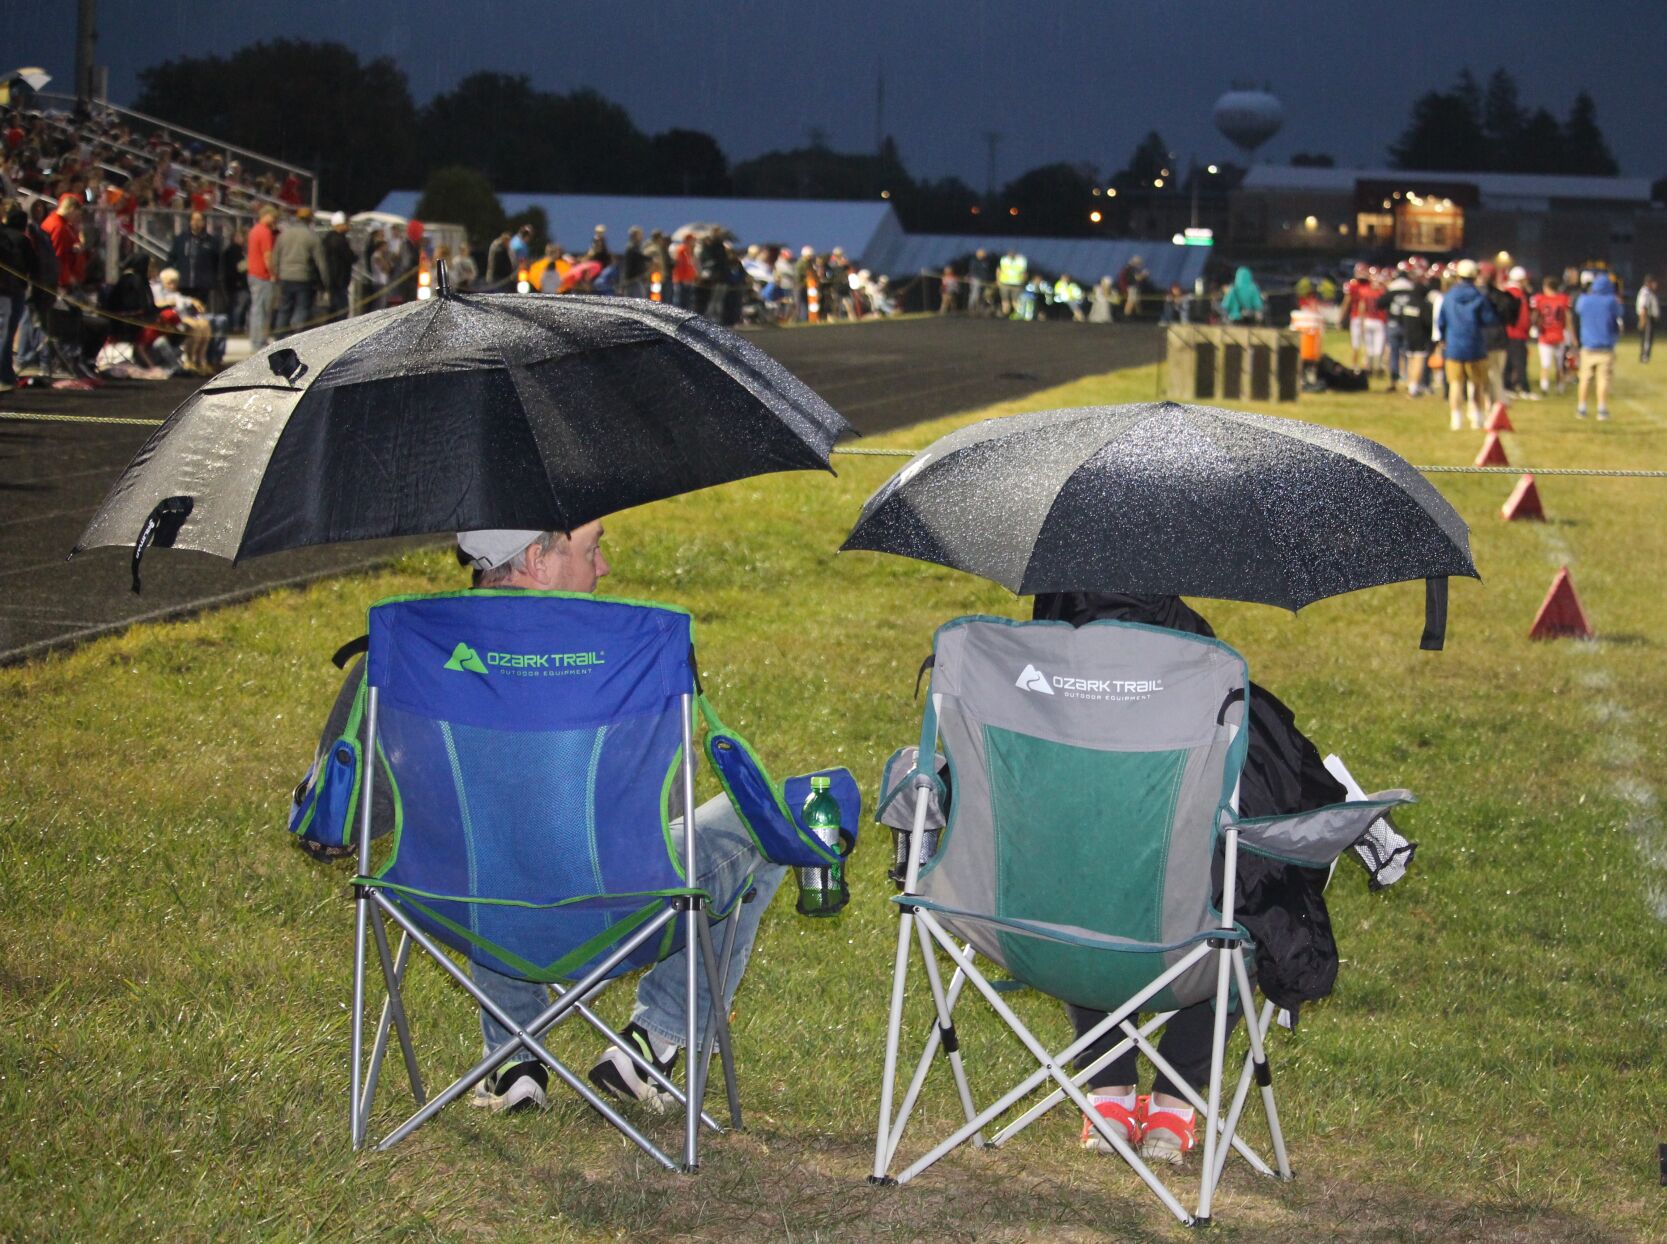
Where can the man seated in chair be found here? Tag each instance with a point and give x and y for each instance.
(555, 561)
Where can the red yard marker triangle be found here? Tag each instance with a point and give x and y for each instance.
(1561, 614)
(1493, 452)
(1500, 419)
(1524, 502)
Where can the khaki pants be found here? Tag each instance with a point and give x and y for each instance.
(1459, 375)
(1601, 364)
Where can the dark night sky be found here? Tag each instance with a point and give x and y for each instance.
(1073, 80)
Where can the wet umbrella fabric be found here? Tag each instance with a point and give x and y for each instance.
(460, 412)
(1169, 499)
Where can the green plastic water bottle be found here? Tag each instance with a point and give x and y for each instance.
(822, 890)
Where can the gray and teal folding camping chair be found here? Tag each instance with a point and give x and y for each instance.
(536, 743)
(1092, 776)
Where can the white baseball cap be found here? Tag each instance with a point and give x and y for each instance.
(491, 547)
(1518, 273)
(338, 218)
(1465, 269)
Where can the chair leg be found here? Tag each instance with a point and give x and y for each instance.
(1264, 1073)
(899, 975)
(928, 1053)
(356, 1120)
(946, 1028)
(1206, 1185)
(718, 1027)
(393, 1019)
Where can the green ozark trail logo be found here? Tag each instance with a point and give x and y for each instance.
(545, 664)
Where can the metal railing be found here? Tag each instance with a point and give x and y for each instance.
(230, 149)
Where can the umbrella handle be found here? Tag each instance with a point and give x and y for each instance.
(161, 526)
(1435, 614)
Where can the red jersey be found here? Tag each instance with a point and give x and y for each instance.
(1358, 297)
(1551, 313)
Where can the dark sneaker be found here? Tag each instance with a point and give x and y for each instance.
(520, 1086)
(620, 1077)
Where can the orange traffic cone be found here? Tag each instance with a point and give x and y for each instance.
(1500, 419)
(1524, 502)
(1493, 452)
(1561, 614)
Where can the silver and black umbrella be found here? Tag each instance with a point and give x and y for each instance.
(460, 412)
(1167, 499)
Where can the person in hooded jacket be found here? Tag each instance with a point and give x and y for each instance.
(1281, 905)
(1243, 303)
(1466, 315)
(17, 269)
(1597, 325)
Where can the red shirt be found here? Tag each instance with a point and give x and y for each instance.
(260, 251)
(66, 245)
(1358, 296)
(683, 267)
(1552, 313)
(1517, 330)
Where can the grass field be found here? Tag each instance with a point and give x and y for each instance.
(174, 975)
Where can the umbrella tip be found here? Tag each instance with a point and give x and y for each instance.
(442, 287)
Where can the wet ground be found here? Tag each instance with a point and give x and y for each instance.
(53, 474)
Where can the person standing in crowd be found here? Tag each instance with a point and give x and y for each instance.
(1649, 311)
(461, 272)
(1517, 331)
(1243, 304)
(633, 266)
(1357, 295)
(61, 226)
(1099, 311)
(298, 264)
(1067, 293)
(805, 275)
(258, 264)
(684, 273)
(1597, 329)
(713, 268)
(17, 270)
(1465, 316)
(836, 293)
(338, 263)
(981, 274)
(1504, 312)
(521, 250)
(1408, 305)
(599, 252)
(195, 256)
(1011, 271)
(234, 279)
(500, 262)
(1130, 283)
(949, 290)
(1550, 309)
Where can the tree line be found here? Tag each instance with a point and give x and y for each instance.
(318, 105)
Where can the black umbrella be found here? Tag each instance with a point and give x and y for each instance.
(1168, 499)
(460, 412)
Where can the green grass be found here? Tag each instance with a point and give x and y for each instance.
(174, 975)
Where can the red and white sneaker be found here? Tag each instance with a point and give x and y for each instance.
(1116, 1114)
(1167, 1135)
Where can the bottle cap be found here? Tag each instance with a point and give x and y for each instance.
(820, 783)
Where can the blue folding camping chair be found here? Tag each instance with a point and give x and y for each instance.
(569, 880)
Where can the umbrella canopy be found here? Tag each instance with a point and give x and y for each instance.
(1168, 499)
(463, 411)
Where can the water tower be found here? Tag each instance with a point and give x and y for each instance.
(1249, 117)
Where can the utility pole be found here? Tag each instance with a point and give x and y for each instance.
(86, 40)
(992, 139)
(879, 105)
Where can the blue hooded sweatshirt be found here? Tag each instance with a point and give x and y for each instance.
(1599, 313)
(1465, 311)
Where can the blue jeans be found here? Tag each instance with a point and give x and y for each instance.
(295, 307)
(727, 854)
(260, 311)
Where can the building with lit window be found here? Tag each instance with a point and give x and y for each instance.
(1546, 223)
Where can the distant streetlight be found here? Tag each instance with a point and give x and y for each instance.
(1012, 211)
(1310, 223)
(976, 209)
(885, 194)
(1157, 183)
(1111, 193)
(1094, 216)
(1212, 170)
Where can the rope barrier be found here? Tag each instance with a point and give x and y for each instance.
(35, 417)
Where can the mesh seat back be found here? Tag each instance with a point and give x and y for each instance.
(532, 739)
(1089, 771)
